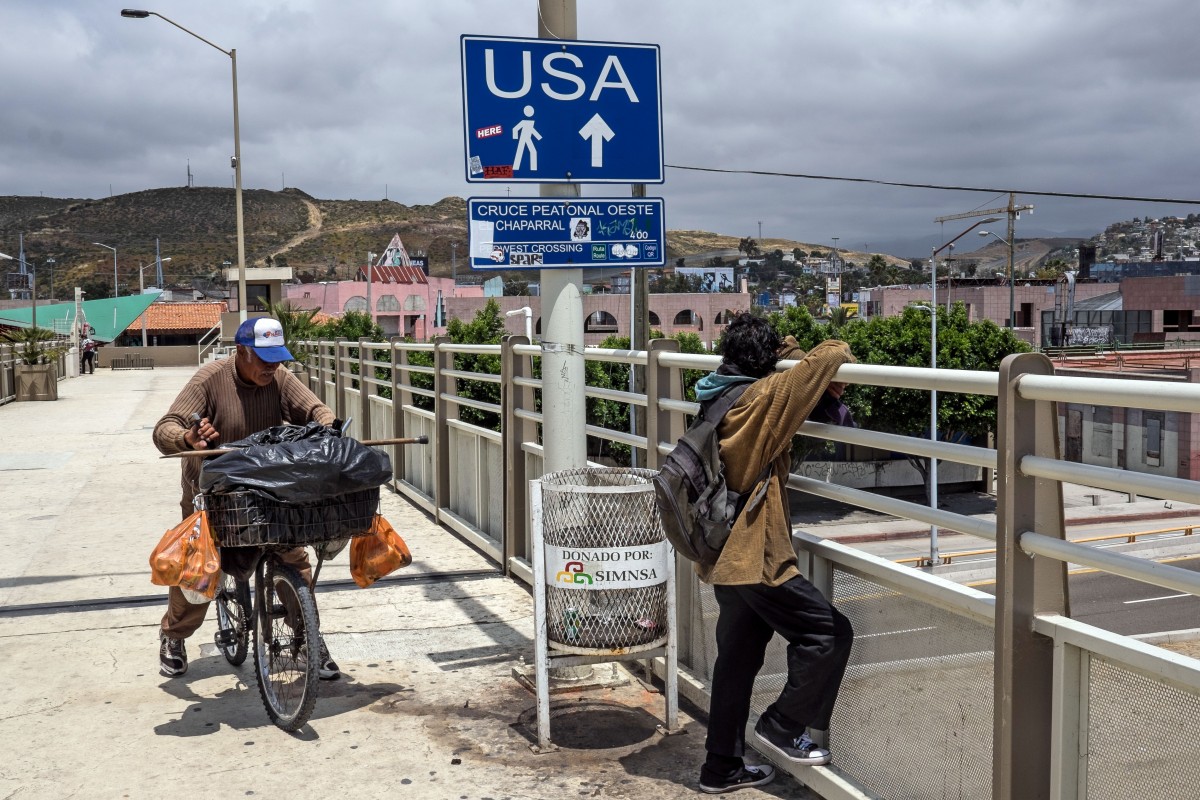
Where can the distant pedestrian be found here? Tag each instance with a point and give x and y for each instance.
(87, 356)
(756, 580)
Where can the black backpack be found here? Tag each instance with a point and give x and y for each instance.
(696, 506)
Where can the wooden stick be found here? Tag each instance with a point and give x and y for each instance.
(221, 452)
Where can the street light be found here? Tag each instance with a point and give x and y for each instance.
(1012, 322)
(142, 289)
(116, 292)
(133, 13)
(50, 262)
(32, 294)
(932, 308)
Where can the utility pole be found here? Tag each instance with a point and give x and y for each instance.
(563, 404)
(639, 330)
(1013, 211)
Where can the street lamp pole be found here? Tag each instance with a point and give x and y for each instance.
(133, 13)
(51, 262)
(934, 557)
(116, 291)
(142, 289)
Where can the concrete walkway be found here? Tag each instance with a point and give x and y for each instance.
(427, 708)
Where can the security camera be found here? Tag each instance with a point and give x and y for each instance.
(233, 162)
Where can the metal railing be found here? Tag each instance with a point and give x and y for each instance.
(950, 692)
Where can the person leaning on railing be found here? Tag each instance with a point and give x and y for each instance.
(756, 580)
(234, 398)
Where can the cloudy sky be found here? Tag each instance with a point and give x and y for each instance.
(350, 99)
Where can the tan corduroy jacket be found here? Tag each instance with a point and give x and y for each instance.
(758, 430)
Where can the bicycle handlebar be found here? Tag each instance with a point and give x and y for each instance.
(368, 442)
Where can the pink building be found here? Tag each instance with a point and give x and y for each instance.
(401, 297)
(983, 299)
(704, 314)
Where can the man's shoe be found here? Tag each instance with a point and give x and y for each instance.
(172, 657)
(798, 750)
(742, 779)
(327, 668)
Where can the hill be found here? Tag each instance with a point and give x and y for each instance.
(318, 239)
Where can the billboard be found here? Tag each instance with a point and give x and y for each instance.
(712, 279)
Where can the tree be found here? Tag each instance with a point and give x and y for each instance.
(798, 322)
(355, 325)
(614, 415)
(904, 341)
(748, 246)
(297, 324)
(487, 327)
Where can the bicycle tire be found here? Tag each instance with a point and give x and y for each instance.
(286, 645)
(233, 620)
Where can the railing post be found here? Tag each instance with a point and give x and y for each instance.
(1025, 587)
(442, 411)
(339, 380)
(364, 389)
(663, 383)
(660, 425)
(514, 432)
(398, 471)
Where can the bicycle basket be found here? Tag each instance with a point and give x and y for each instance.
(248, 519)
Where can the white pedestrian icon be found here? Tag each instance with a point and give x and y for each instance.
(525, 133)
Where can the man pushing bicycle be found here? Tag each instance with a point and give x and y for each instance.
(232, 398)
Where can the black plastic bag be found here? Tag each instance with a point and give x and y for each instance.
(297, 464)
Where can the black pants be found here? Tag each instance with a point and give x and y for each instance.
(87, 363)
(819, 639)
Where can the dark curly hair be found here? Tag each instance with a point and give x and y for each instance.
(750, 345)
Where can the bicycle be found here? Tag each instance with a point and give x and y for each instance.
(272, 607)
(279, 613)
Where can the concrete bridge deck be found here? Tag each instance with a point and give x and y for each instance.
(427, 707)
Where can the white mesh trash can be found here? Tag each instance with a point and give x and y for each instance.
(604, 580)
(606, 561)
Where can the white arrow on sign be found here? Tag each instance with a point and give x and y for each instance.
(598, 131)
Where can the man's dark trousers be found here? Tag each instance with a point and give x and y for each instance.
(819, 640)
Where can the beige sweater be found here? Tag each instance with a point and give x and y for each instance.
(236, 409)
(758, 430)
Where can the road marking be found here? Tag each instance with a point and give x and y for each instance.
(893, 633)
(1152, 599)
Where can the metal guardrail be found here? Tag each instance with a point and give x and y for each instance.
(950, 692)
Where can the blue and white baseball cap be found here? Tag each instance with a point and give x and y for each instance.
(265, 335)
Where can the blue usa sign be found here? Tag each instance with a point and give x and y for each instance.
(561, 111)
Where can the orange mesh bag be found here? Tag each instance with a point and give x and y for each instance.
(187, 557)
(378, 553)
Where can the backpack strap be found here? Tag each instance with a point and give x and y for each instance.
(713, 411)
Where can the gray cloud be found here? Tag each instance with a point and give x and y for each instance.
(343, 99)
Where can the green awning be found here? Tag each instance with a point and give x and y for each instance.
(109, 317)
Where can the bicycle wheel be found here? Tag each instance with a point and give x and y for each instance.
(286, 645)
(233, 619)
